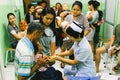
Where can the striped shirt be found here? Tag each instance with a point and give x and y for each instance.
(24, 57)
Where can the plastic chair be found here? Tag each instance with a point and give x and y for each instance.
(110, 59)
(10, 53)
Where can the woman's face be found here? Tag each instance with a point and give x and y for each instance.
(47, 19)
(90, 7)
(12, 19)
(58, 6)
(76, 10)
(32, 9)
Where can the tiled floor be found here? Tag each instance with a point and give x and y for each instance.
(104, 72)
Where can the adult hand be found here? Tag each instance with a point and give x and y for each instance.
(52, 58)
(42, 61)
(113, 52)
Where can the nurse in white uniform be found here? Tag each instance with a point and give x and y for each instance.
(83, 64)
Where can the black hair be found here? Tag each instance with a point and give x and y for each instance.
(34, 13)
(98, 3)
(59, 4)
(39, 3)
(73, 33)
(29, 6)
(8, 15)
(94, 3)
(77, 3)
(46, 11)
(33, 26)
(43, 1)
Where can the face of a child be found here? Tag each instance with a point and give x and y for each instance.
(71, 38)
(47, 19)
(76, 10)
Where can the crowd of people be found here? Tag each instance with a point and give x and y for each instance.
(44, 29)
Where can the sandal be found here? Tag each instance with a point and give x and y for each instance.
(116, 68)
(62, 65)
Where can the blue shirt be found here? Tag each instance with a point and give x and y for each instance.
(83, 53)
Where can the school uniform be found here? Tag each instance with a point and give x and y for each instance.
(46, 40)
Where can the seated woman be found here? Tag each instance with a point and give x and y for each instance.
(82, 64)
(115, 44)
(13, 30)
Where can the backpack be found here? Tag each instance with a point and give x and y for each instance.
(100, 18)
(49, 74)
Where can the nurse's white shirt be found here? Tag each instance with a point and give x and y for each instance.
(83, 53)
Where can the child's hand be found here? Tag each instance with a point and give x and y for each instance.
(37, 56)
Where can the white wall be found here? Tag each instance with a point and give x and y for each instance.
(1, 67)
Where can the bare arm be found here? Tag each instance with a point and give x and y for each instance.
(68, 61)
(39, 46)
(34, 68)
(112, 40)
(89, 17)
(53, 47)
(17, 36)
(66, 53)
(86, 32)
